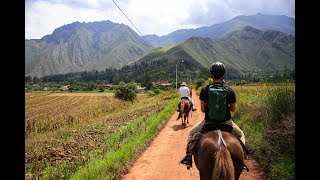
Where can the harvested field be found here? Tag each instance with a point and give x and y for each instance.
(66, 130)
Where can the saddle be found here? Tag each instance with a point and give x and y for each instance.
(212, 126)
(179, 104)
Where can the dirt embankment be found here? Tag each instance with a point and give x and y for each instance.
(161, 159)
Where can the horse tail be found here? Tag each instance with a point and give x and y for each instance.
(181, 109)
(223, 166)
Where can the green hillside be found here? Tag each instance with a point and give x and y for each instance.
(83, 46)
(241, 51)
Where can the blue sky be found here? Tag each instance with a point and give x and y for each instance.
(159, 17)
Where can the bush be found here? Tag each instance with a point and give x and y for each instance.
(154, 92)
(127, 92)
(199, 83)
(281, 101)
(101, 89)
(279, 138)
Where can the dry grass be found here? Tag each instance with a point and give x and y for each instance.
(67, 130)
(48, 112)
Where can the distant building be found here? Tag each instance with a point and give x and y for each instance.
(106, 86)
(166, 84)
(64, 88)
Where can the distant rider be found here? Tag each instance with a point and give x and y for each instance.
(186, 93)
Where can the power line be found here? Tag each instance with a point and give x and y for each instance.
(143, 36)
(133, 25)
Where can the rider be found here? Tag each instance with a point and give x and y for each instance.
(217, 72)
(185, 93)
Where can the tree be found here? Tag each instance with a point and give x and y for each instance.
(148, 81)
(116, 78)
(126, 91)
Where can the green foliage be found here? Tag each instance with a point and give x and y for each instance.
(101, 89)
(284, 168)
(126, 91)
(125, 144)
(281, 101)
(199, 82)
(154, 92)
(266, 115)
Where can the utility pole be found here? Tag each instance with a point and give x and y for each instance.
(176, 77)
(177, 74)
(190, 80)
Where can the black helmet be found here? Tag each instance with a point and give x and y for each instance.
(217, 70)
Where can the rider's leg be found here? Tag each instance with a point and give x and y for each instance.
(192, 104)
(238, 132)
(187, 159)
(178, 109)
(196, 128)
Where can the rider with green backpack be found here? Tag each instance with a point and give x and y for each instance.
(217, 100)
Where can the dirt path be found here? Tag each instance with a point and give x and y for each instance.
(161, 159)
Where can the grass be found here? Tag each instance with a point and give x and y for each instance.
(133, 139)
(283, 168)
(281, 101)
(266, 115)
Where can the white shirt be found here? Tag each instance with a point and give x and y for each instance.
(184, 91)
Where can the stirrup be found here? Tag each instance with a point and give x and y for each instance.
(245, 168)
(184, 162)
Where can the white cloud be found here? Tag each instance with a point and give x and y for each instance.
(149, 16)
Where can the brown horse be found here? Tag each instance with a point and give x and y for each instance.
(219, 156)
(185, 108)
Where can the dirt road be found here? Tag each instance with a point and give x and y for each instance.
(161, 159)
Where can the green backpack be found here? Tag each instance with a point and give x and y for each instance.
(217, 102)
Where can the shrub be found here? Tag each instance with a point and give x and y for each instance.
(281, 102)
(199, 83)
(126, 91)
(101, 89)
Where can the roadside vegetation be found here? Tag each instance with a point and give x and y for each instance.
(266, 114)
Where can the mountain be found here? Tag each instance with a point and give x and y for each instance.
(280, 23)
(83, 46)
(245, 50)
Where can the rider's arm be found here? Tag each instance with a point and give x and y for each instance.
(232, 107)
(231, 100)
(203, 98)
(203, 106)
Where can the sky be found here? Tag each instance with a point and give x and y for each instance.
(159, 17)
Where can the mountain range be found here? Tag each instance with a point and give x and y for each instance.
(257, 42)
(217, 31)
(241, 51)
(83, 46)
